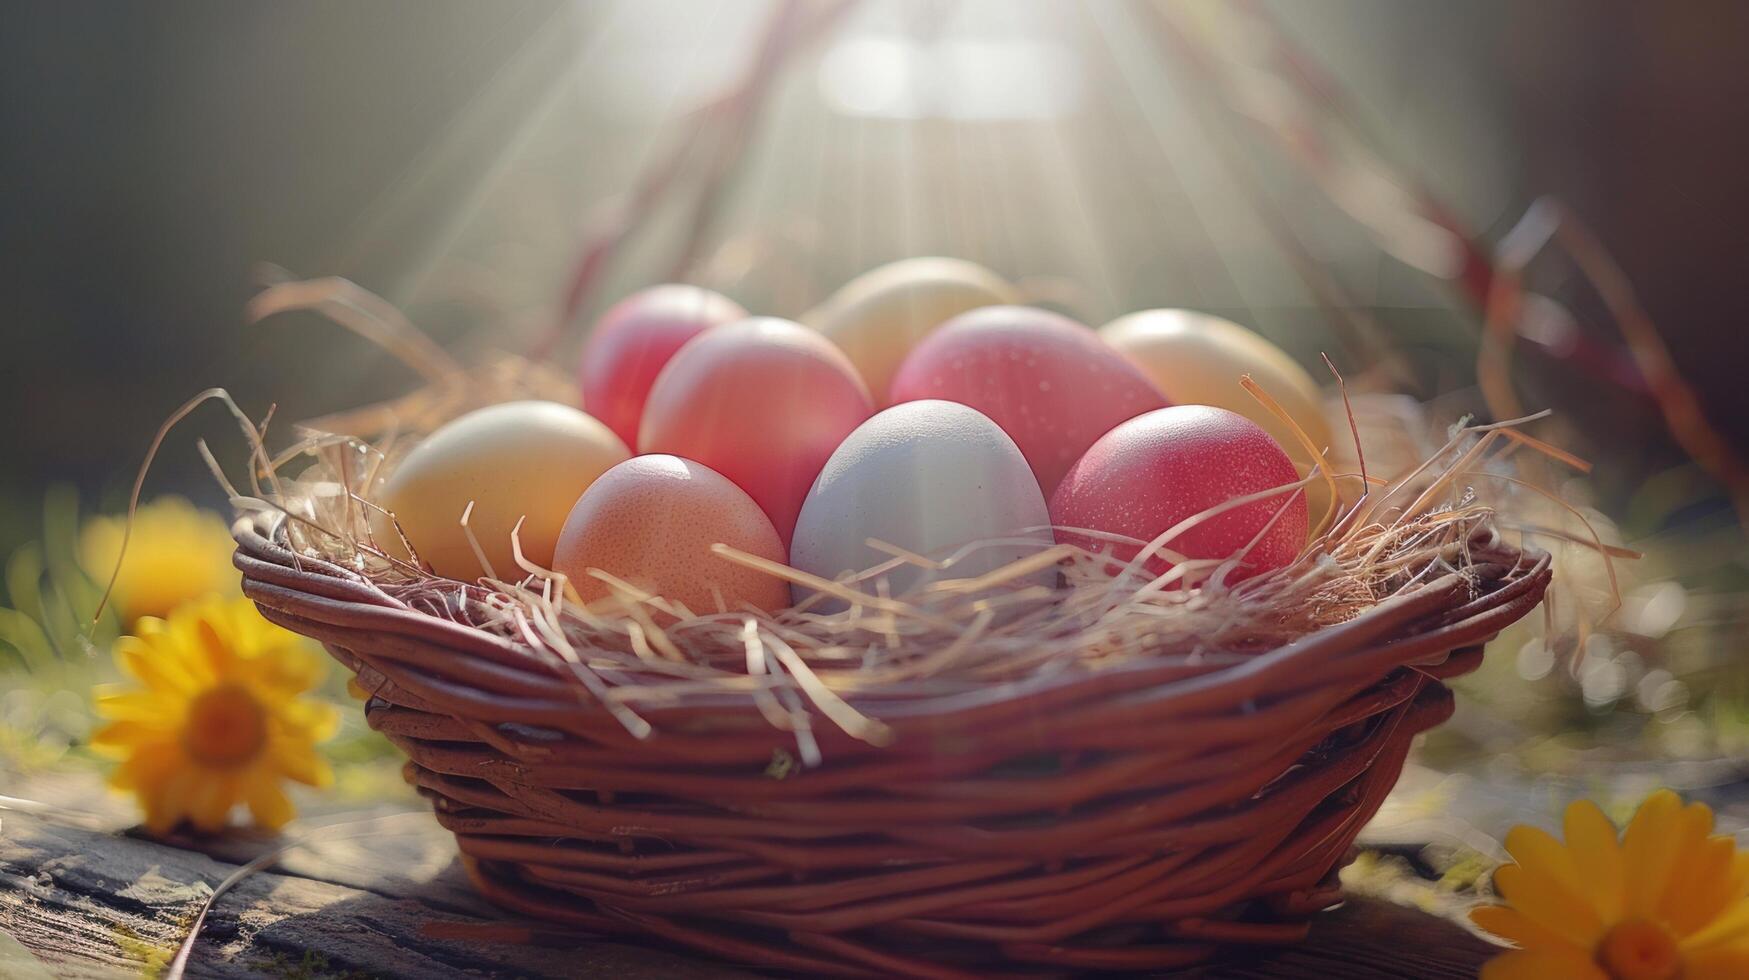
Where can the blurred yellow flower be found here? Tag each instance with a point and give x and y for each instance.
(1666, 900)
(216, 718)
(177, 553)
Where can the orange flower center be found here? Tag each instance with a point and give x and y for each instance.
(226, 728)
(1639, 950)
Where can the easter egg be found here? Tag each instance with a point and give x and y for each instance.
(651, 520)
(1147, 475)
(1049, 382)
(1197, 359)
(763, 402)
(634, 339)
(880, 315)
(926, 476)
(526, 460)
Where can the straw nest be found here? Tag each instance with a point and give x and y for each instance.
(1123, 771)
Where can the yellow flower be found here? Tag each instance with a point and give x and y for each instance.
(177, 553)
(216, 719)
(1665, 901)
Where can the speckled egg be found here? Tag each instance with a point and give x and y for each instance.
(1049, 382)
(1152, 472)
(651, 521)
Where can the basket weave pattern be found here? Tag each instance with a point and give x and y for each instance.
(1134, 817)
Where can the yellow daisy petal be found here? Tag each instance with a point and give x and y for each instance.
(269, 804)
(159, 673)
(1541, 855)
(121, 734)
(209, 808)
(166, 801)
(1516, 927)
(1704, 890)
(220, 655)
(147, 766)
(1731, 928)
(1543, 901)
(298, 762)
(1594, 847)
(1717, 963)
(1740, 875)
(120, 704)
(1650, 848)
(1542, 965)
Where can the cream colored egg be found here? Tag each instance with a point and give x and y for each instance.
(526, 460)
(880, 315)
(1197, 359)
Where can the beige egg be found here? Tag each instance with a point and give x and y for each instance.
(526, 460)
(651, 522)
(880, 315)
(1197, 359)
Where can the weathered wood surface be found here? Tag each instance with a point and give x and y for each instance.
(390, 901)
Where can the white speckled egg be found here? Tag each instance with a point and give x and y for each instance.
(926, 476)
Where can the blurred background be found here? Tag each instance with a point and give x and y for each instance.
(1343, 176)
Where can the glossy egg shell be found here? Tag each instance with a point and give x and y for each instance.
(527, 459)
(1197, 359)
(1152, 472)
(763, 402)
(651, 521)
(878, 317)
(927, 476)
(632, 342)
(1049, 382)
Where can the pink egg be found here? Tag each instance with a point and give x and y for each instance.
(763, 402)
(634, 339)
(1049, 382)
(1148, 474)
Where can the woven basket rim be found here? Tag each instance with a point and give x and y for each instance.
(1446, 609)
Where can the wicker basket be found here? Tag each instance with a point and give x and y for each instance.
(1137, 817)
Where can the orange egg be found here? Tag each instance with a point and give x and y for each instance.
(651, 521)
(763, 402)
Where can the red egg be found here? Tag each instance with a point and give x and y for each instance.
(763, 402)
(634, 339)
(1148, 474)
(1049, 382)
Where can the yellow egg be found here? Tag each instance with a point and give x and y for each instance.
(527, 460)
(880, 315)
(1197, 359)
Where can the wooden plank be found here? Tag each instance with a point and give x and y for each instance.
(1370, 939)
(97, 904)
(93, 904)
